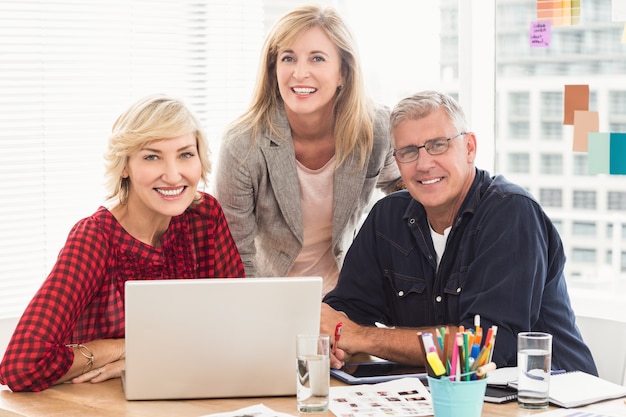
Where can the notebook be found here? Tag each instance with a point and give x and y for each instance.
(216, 338)
(567, 389)
(574, 389)
(499, 395)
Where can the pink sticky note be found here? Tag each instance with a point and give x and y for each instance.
(540, 34)
(584, 122)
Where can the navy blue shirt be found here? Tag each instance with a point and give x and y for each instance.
(503, 260)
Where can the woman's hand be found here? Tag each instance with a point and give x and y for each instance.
(103, 373)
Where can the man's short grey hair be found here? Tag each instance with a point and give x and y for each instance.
(421, 104)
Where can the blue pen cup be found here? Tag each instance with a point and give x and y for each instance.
(457, 398)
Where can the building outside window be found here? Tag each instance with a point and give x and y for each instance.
(551, 164)
(584, 199)
(551, 197)
(519, 163)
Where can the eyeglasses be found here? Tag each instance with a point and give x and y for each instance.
(435, 146)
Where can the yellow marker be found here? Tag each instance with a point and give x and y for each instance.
(435, 363)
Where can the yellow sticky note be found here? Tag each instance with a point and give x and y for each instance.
(624, 35)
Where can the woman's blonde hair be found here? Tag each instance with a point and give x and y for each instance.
(353, 111)
(151, 118)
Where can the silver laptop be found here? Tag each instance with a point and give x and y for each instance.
(216, 338)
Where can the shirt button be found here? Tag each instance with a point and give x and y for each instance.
(438, 299)
(458, 290)
(412, 221)
(400, 293)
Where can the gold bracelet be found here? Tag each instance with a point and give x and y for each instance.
(87, 353)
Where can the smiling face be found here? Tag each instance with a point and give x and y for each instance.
(308, 73)
(164, 176)
(438, 182)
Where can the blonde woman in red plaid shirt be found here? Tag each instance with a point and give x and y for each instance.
(158, 226)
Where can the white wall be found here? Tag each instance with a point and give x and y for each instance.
(6, 330)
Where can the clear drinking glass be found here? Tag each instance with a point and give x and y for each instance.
(313, 372)
(534, 360)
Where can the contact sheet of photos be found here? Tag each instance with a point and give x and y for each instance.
(406, 397)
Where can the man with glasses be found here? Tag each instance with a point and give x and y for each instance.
(456, 244)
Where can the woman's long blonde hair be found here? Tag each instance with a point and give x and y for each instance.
(151, 118)
(353, 111)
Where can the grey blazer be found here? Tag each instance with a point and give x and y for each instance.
(257, 185)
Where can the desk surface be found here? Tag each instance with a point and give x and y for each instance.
(107, 400)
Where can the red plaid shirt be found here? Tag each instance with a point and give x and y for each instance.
(83, 297)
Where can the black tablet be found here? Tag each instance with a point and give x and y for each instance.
(374, 372)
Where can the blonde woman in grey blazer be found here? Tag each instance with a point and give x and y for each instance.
(309, 112)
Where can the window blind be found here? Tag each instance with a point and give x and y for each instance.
(67, 69)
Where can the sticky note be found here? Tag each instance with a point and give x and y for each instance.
(624, 35)
(576, 97)
(584, 122)
(540, 34)
(598, 153)
(618, 154)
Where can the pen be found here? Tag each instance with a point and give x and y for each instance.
(337, 336)
(466, 354)
(493, 342)
(446, 348)
(461, 354)
(482, 370)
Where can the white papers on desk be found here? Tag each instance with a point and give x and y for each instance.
(257, 410)
(583, 412)
(406, 397)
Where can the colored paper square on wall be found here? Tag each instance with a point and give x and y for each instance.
(576, 97)
(559, 13)
(540, 34)
(598, 149)
(575, 12)
(618, 154)
(584, 122)
(566, 14)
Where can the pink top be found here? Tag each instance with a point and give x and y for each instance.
(316, 198)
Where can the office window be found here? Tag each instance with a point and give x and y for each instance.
(551, 197)
(519, 105)
(609, 231)
(584, 228)
(617, 127)
(519, 130)
(583, 255)
(617, 103)
(616, 200)
(609, 260)
(591, 53)
(581, 166)
(519, 163)
(551, 164)
(552, 104)
(584, 199)
(593, 100)
(68, 69)
(552, 130)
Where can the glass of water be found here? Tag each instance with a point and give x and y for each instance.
(313, 372)
(534, 360)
